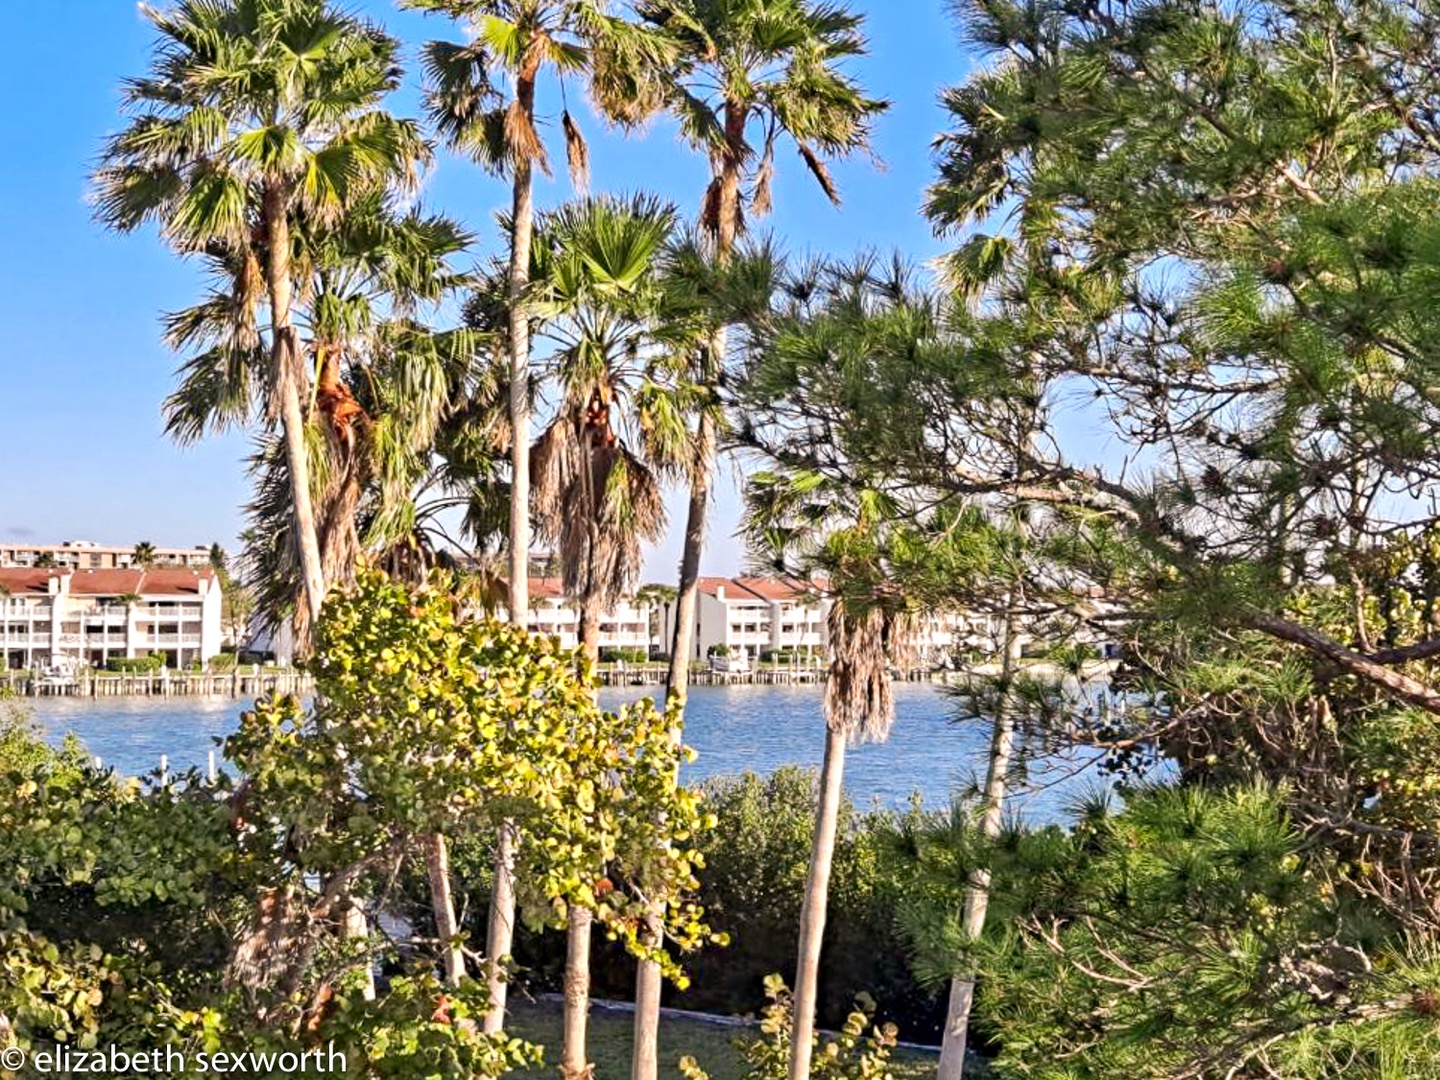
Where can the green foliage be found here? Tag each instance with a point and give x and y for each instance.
(1196, 932)
(136, 665)
(629, 656)
(785, 656)
(851, 1055)
(757, 858)
(434, 722)
(419, 1028)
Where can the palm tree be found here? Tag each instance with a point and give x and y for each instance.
(813, 528)
(514, 41)
(598, 464)
(143, 555)
(747, 72)
(743, 74)
(597, 488)
(254, 113)
(384, 383)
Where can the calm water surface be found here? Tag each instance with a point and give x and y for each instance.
(733, 728)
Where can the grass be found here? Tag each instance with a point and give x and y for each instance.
(712, 1045)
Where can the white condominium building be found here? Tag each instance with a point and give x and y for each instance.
(751, 617)
(625, 626)
(67, 617)
(85, 555)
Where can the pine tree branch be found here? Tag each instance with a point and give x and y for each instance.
(1402, 687)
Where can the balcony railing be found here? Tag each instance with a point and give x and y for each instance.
(161, 641)
(19, 641)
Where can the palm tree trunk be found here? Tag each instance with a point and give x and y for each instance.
(524, 224)
(812, 914)
(727, 223)
(648, 979)
(687, 601)
(500, 936)
(645, 1047)
(588, 629)
(289, 380)
(977, 895)
(442, 903)
(573, 1059)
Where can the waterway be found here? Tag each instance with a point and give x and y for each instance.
(733, 729)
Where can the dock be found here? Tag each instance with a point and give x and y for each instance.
(239, 683)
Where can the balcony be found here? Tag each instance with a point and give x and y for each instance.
(106, 618)
(21, 640)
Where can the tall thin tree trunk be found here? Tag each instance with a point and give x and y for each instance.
(442, 903)
(588, 628)
(645, 1045)
(687, 601)
(817, 896)
(356, 925)
(977, 895)
(574, 1064)
(648, 979)
(500, 936)
(521, 239)
(290, 380)
(574, 1058)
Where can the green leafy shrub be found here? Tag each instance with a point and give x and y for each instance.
(630, 656)
(1194, 912)
(136, 665)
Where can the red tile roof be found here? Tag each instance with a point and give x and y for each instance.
(24, 581)
(174, 581)
(546, 588)
(708, 585)
(776, 588)
(161, 581)
(105, 582)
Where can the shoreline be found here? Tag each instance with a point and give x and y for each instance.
(240, 684)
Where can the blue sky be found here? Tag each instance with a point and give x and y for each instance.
(83, 369)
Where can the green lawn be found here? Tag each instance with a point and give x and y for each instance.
(712, 1045)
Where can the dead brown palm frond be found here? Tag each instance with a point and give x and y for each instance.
(710, 209)
(821, 172)
(554, 464)
(761, 202)
(522, 141)
(597, 504)
(859, 696)
(577, 152)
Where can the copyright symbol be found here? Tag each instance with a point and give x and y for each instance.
(12, 1059)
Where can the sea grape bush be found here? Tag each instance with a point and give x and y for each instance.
(174, 911)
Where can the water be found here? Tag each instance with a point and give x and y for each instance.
(734, 728)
